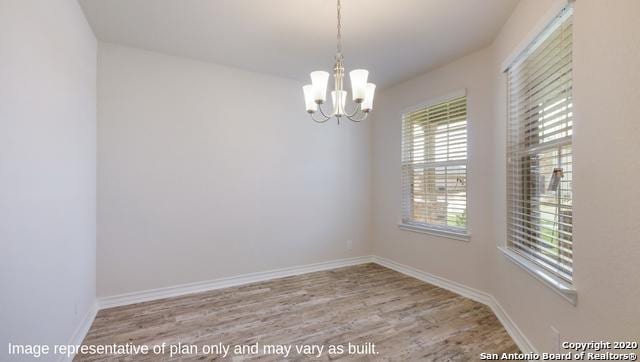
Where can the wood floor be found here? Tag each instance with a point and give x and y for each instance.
(405, 318)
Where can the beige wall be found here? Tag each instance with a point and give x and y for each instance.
(206, 171)
(606, 250)
(451, 258)
(47, 171)
(607, 85)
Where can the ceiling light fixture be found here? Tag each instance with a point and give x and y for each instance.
(315, 94)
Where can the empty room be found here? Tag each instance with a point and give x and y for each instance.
(289, 180)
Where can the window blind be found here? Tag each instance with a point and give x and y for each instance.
(434, 166)
(539, 156)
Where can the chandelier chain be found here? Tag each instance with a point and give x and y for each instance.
(339, 36)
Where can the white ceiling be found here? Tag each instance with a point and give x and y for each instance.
(394, 39)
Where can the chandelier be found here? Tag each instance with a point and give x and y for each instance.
(315, 94)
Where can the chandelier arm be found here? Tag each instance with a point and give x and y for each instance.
(318, 120)
(324, 114)
(353, 119)
(357, 110)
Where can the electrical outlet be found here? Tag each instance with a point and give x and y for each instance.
(555, 339)
(349, 245)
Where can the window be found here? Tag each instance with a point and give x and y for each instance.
(434, 167)
(539, 157)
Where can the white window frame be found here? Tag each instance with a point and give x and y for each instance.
(435, 230)
(563, 288)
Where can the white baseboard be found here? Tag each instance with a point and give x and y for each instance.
(81, 331)
(197, 287)
(463, 290)
(511, 327)
(481, 297)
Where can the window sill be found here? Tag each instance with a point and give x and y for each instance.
(561, 287)
(435, 231)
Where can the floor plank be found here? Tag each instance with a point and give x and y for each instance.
(405, 318)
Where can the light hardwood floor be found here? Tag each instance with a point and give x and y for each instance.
(405, 318)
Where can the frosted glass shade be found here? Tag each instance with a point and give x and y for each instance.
(309, 102)
(338, 108)
(358, 84)
(319, 81)
(367, 104)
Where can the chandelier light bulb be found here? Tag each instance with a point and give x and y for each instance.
(338, 106)
(319, 80)
(358, 84)
(309, 102)
(367, 104)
